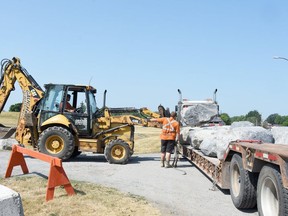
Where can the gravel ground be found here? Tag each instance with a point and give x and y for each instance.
(171, 191)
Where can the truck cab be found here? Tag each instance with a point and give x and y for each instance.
(201, 113)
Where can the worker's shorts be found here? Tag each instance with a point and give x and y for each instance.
(167, 146)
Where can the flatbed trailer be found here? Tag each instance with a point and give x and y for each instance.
(256, 173)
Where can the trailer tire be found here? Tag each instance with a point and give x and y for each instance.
(272, 197)
(117, 152)
(57, 142)
(242, 184)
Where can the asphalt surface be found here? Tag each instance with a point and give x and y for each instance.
(182, 191)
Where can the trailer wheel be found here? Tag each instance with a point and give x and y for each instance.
(117, 152)
(272, 197)
(57, 142)
(242, 184)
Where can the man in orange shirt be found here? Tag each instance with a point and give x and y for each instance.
(170, 133)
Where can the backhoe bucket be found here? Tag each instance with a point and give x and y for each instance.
(6, 132)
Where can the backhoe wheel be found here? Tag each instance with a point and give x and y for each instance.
(117, 152)
(76, 152)
(272, 197)
(242, 184)
(57, 142)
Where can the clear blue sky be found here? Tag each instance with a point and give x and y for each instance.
(143, 51)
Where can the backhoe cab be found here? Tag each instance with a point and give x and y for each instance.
(62, 128)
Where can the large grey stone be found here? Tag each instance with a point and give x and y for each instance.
(242, 124)
(217, 144)
(184, 134)
(10, 202)
(280, 135)
(6, 144)
(253, 133)
(197, 135)
(199, 114)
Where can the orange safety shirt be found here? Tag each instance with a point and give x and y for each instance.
(170, 128)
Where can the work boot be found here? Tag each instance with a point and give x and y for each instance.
(167, 164)
(162, 163)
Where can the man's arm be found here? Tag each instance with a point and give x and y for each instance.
(152, 120)
(69, 107)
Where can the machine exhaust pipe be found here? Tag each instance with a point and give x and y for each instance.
(180, 95)
(214, 96)
(104, 103)
(178, 107)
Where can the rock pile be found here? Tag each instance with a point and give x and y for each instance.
(213, 141)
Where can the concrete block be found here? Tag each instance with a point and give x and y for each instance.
(10, 202)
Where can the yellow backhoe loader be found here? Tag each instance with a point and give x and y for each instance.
(46, 123)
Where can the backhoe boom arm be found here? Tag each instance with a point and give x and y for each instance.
(12, 71)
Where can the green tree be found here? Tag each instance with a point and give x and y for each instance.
(271, 118)
(253, 120)
(285, 121)
(238, 118)
(83, 107)
(254, 117)
(226, 118)
(279, 120)
(15, 107)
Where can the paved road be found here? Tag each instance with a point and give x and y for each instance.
(170, 190)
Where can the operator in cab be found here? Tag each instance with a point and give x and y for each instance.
(68, 107)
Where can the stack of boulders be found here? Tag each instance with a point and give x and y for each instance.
(213, 141)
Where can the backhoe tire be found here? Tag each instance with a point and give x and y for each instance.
(117, 152)
(272, 197)
(242, 184)
(76, 152)
(57, 142)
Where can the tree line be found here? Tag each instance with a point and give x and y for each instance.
(252, 116)
(256, 118)
(15, 107)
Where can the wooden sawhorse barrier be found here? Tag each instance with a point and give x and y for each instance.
(57, 175)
